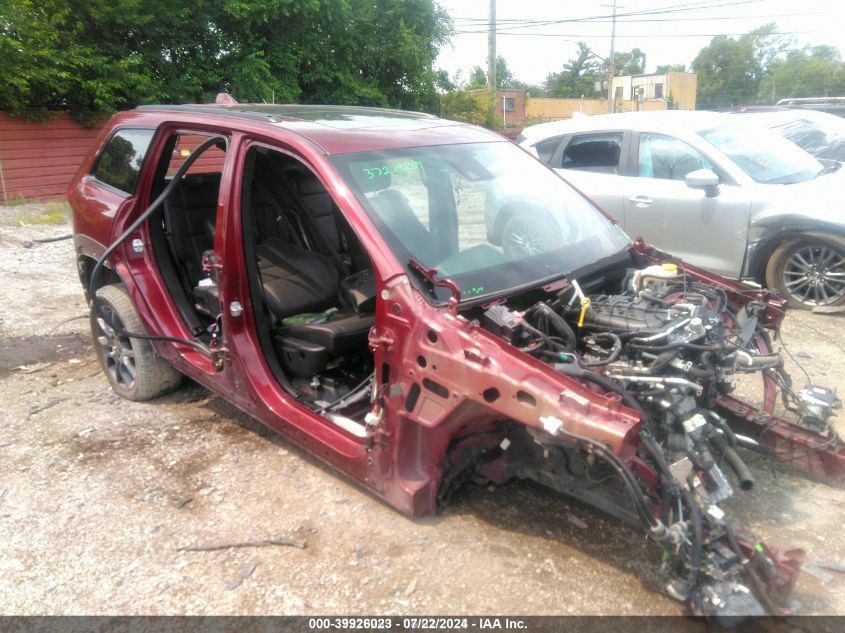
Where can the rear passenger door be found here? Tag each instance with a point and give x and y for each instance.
(595, 162)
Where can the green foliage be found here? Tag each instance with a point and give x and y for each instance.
(96, 56)
(532, 90)
(632, 63)
(578, 77)
(809, 72)
(581, 74)
(760, 66)
(443, 82)
(470, 106)
(730, 70)
(671, 104)
(726, 72)
(669, 68)
(504, 76)
(477, 78)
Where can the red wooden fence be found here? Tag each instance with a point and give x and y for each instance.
(38, 159)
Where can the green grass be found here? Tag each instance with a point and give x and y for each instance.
(15, 202)
(55, 212)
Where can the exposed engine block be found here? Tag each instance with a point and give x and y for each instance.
(668, 346)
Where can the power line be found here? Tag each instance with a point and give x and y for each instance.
(693, 6)
(691, 19)
(690, 6)
(641, 35)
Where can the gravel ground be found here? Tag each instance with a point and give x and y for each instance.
(98, 495)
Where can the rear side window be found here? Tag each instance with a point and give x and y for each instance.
(120, 161)
(594, 152)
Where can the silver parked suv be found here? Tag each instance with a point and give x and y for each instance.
(718, 191)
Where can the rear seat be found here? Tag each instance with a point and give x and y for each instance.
(190, 212)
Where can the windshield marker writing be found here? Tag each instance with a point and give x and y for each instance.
(388, 170)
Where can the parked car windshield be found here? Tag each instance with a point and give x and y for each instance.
(487, 215)
(819, 133)
(762, 154)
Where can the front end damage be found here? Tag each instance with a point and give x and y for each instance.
(619, 389)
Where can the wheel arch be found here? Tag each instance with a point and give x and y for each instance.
(759, 255)
(85, 266)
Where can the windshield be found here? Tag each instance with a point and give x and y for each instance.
(486, 215)
(762, 154)
(821, 134)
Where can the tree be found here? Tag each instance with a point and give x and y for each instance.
(444, 83)
(504, 76)
(477, 107)
(578, 77)
(91, 56)
(670, 68)
(632, 63)
(726, 73)
(813, 71)
(730, 70)
(477, 78)
(768, 46)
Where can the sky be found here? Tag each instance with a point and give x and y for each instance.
(669, 32)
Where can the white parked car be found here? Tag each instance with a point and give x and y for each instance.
(717, 190)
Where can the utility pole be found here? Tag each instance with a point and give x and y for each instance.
(611, 65)
(491, 49)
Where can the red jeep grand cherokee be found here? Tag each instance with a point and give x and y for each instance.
(421, 303)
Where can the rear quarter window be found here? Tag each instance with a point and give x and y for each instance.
(119, 164)
(546, 150)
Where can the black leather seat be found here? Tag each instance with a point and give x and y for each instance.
(306, 349)
(341, 334)
(295, 280)
(328, 220)
(394, 212)
(190, 212)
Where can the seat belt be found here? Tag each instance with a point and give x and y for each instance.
(312, 227)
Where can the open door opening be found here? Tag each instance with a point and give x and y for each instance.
(312, 286)
(182, 231)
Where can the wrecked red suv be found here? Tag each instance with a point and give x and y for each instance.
(421, 303)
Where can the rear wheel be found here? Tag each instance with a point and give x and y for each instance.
(809, 271)
(130, 364)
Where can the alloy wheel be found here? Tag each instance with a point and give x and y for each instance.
(815, 275)
(116, 349)
(526, 237)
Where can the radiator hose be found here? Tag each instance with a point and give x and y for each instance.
(732, 458)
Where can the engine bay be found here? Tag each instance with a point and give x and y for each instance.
(670, 347)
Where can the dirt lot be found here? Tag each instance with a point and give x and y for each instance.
(98, 494)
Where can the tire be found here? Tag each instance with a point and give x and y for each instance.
(131, 365)
(809, 272)
(525, 235)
